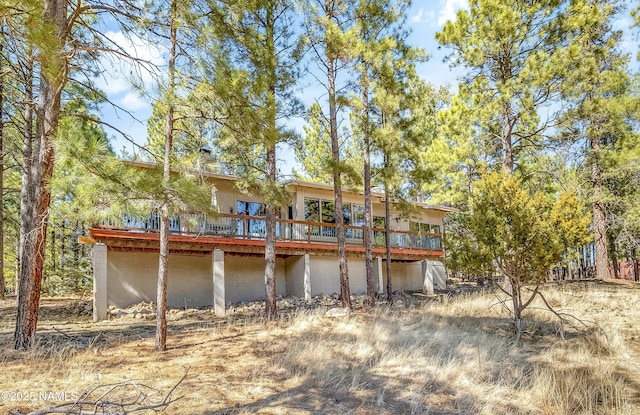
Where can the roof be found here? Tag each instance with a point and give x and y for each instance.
(203, 172)
(323, 186)
(290, 183)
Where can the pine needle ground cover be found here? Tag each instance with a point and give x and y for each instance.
(457, 356)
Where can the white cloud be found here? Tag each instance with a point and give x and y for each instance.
(136, 47)
(448, 11)
(132, 101)
(418, 16)
(120, 72)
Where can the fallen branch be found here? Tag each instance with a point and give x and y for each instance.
(565, 318)
(110, 400)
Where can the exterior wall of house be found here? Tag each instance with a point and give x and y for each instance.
(244, 278)
(295, 269)
(325, 275)
(404, 276)
(412, 275)
(132, 277)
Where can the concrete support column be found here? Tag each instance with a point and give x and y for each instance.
(427, 276)
(377, 274)
(99, 256)
(218, 283)
(439, 275)
(307, 278)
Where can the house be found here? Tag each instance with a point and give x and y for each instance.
(215, 261)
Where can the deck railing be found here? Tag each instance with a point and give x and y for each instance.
(254, 227)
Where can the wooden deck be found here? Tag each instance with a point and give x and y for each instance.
(244, 235)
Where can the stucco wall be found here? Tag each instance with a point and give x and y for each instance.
(244, 278)
(295, 275)
(132, 278)
(409, 275)
(325, 275)
(404, 275)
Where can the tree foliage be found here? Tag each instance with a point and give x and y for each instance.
(522, 234)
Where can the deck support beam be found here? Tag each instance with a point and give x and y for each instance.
(218, 283)
(377, 274)
(307, 278)
(427, 278)
(100, 267)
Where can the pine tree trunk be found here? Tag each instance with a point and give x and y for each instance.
(27, 161)
(2, 277)
(636, 276)
(38, 170)
(507, 143)
(345, 291)
(387, 242)
(163, 264)
(614, 257)
(599, 215)
(52, 249)
(368, 216)
(271, 306)
(163, 274)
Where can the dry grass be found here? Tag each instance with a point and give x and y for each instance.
(457, 357)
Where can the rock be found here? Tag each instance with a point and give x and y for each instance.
(337, 312)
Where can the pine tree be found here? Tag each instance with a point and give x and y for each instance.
(511, 52)
(602, 105)
(256, 73)
(60, 39)
(386, 110)
(330, 30)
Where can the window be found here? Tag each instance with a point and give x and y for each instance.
(357, 218)
(347, 213)
(252, 227)
(312, 210)
(328, 211)
(423, 227)
(251, 208)
(423, 235)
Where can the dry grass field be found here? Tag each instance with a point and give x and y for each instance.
(457, 356)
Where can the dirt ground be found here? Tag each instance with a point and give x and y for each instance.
(231, 365)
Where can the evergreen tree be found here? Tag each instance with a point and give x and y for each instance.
(601, 106)
(523, 234)
(512, 53)
(60, 38)
(329, 27)
(255, 79)
(382, 57)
